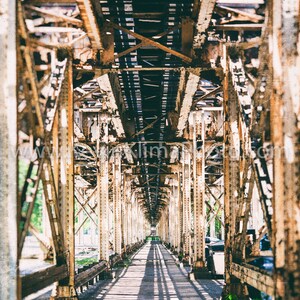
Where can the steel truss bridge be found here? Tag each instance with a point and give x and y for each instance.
(176, 116)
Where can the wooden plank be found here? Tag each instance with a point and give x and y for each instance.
(36, 281)
(255, 277)
(85, 276)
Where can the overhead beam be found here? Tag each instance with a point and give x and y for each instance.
(204, 17)
(56, 16)
(239, 27)
(90, 23)
(152, 42)
(251, 17)
(190, 89)
(157, 36)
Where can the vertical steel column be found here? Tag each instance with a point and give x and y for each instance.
(176, 217)
(102, 187)
(186, 201)
(180, 213)
(66, 177)
(171, 219)
(199, 189)
(285, 132)
(8, 158)
(129, 220)
(117, 200)
(231, 179)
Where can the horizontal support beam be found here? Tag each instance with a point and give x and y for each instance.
(195, 70)
(259, 279)
(87, 275)
(204, 17)
(36, 281)
(60, 2)
(60, 17)
(152, 42)
(239, 27)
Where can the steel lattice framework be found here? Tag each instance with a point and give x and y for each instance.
(179, 115)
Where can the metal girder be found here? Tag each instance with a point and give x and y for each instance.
(285, 132)
(117, 201)
(239, 27)
(231, 181)
(112, 102)
(90, 23)
(59, 17)
(30, 74)
(206, 8)
(199, 189)
(157, 36)
(186, 96)
(31, 200)
(245, 15)
(258, 162)
(102, 192)
(186, 203)
(152, 42)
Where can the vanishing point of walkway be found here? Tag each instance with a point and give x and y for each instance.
(153, 274)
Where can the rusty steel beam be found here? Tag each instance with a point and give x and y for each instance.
(152, 42)
(187, 93)
(231, 181)
(205, 11)
(65, 187)
(117, 185)
(239, 27)
(199, 189)
(285, 133)
(90, 23)
(157, 36)
(59, 17)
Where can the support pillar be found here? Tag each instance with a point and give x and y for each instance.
(8, 158)
(199, 189)
(66, 179)
(102, 188)
(117, 201)
(186, 203)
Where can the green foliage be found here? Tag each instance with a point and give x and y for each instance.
(37, 214)
(85, 261)
(231, 297)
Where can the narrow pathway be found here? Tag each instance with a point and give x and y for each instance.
(153, 274)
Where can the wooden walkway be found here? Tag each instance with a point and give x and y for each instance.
(153, 274)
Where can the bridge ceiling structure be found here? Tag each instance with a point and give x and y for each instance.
(130, 115)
